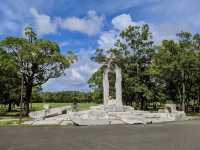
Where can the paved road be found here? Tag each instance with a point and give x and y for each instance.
(170, 136)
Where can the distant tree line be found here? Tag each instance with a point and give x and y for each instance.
(61, 97)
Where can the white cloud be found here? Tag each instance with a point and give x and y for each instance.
(119, 23)
(76, 76)
(160, 32)
(107, 39)
(90, 25)
(44, 24)
(122, 21)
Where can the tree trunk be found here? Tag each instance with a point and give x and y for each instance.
(142, 102)
(183, 88)
(10, 106)
(198, 96)
(180, 96)
(28, 98)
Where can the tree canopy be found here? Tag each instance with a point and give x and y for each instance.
(153, 73)
(36, 59)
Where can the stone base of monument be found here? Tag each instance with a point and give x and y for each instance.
(114, 108)
(113, 114)
(56, 120)
(104, 115)
(90, 117)
(48, 113)
(54, 116)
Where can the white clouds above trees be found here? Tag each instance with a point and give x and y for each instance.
(119, 23)
(122, 21)
(43, 23)
(76, 76)
(91, 24)
(159, 31)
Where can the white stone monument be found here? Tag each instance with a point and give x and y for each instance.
(106, 84)
(118, 86)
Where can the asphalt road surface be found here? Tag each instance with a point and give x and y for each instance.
(168, 136)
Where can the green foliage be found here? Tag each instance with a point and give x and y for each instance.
(177, 66)
(9, 79)
(36, 60)
(166, 72)
(95, 83)
(133, 53)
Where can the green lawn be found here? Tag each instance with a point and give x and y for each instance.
(39, 106)
(8, 122)
(12, 121)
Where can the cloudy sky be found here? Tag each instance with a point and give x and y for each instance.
(84, 25)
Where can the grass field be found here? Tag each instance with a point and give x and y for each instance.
(12, 121)
(39, 106)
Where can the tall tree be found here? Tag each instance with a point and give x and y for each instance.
(37, 59)
(132, 52)
(177, 65)
(137, 82)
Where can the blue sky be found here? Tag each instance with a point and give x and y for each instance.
(84, 25)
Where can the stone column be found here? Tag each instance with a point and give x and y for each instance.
(118, 85)
(105, 86)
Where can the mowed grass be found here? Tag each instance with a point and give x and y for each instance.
(12, 121)
(8, 122)
(82, 106)
(40, 106)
